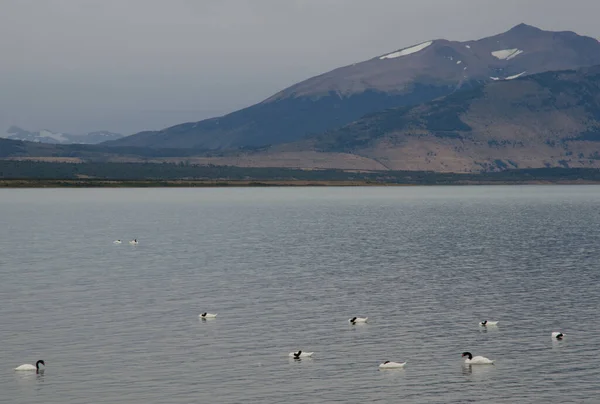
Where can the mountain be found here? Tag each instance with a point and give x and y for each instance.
(549, 119)
(46, 136)
(405, 77)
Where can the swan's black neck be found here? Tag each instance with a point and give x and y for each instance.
(468, 355)
(559, 336)
(484, 322)
(203, 314)
(37, 364)
(297, 354)
(353, 320)
(386, 362)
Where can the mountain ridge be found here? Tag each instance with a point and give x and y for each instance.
(543, 120)
(403, 77)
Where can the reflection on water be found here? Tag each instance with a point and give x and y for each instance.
(477, 370)
(467, 369)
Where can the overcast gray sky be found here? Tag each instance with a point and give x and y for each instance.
(131, 65)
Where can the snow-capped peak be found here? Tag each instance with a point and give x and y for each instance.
(48, 136)
(407, 51)
(59, 137)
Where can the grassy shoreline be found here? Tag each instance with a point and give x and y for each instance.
(89, 183)
(30, 174)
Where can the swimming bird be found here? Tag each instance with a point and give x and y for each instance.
(485, 323)
(134, 242)
(31, 367)
(117, 242)
(300, 354)
(476, 360)
(355, 320)
(558, 335)
(207, 315)
(391, 365)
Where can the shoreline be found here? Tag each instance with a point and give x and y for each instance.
(89, 183)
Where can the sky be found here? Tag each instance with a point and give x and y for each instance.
(77, 66)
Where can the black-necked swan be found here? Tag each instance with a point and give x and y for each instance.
(134, 242)
(558, 335)
(391, 365)
(300, 354)
(355, 320)
(476, 360)
(207, 315)
(117, 242)
(485, 323)
(31, 367)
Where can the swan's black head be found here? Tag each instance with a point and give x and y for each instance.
(386, 362)
(203, 314)
(468, 355)
(484, 322)
(38, 363)
(353, 320)
(559, 336)
(297, 355)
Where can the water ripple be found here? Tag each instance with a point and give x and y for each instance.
(285, 269)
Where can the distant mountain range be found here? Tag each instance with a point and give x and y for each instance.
(405, 77)
(47, 136)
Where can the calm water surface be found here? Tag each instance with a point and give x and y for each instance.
(284, 269)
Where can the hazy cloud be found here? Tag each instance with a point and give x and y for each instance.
(129, 65)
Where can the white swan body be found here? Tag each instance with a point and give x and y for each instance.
(300, 354)
(355, 320)
(479, 360)
(392, 365)
(558, 335)
(133, 242)
(117, 242)
(207, 315)
(28, 367)
(476, 360)
(485, 323)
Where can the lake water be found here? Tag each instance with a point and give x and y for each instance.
(285, 268)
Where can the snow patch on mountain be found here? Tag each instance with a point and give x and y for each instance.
(516, 76)
(507, 54)
(407, 51)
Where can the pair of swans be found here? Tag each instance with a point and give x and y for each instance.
(482, 360)
(132, 242)
(471, 360)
